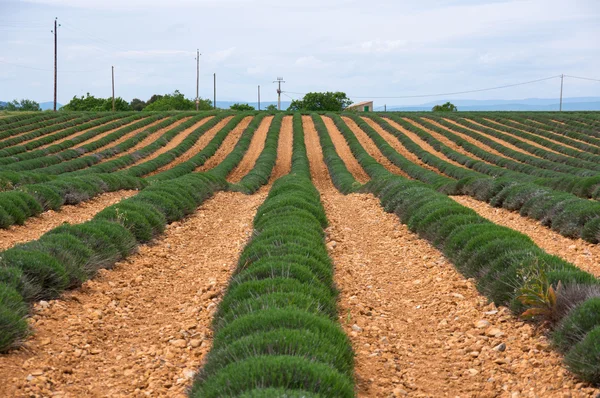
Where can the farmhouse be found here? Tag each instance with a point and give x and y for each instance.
(366, 106)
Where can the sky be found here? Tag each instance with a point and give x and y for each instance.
(367, 49)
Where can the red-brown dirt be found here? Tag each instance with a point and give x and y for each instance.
(178, 139)
(499, 141)
(283, 164)
(318, 169)
(31, 128)
(535, 144)
(583, 254)
(418, 327)
(372, 149)
(343, 150)
(422, 143)
(227, 145)
(150, 138)
(197, 147)
(257, 144)
(397, 145)
(446, 141)
(70, 137)
(473, 141)
(76, 214)
(547, 129)
(143, 328)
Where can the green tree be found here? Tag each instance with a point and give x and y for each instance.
(87, 103)
(23, 105)
(329, 101)
(447, 107)
(137, 104)
(120, 105)
(175, 102)
(242, 107)
(154, 98)
(271, 108)
(92, 104)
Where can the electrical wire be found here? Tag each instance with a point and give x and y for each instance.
(51, 70)
(451, 93)
(583, 78)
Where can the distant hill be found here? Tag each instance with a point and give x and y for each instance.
(49, 105)
(263, 105)
(44, 105)
(528, 104)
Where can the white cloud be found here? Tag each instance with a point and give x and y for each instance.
(311, 62)
(131, 4)
(222, 55)
(153, 53)
(376, 46)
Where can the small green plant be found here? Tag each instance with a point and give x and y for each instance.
(537, 293)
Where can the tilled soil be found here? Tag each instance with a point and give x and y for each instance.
(497, 140)
(227, 145)
(143, 328)
(473, 141)
(75, 214)
(372, 149)
(542, 128)
(35, 127)
(583, 254)
(118, 141)
(533, 143)
(178, 139)
(257, 144)
(397, 145)
(283, 164)
(146, 141)
(70, 137)
(422, 143)
(318, 169)
(343, 150)
(198, 146)
(446, 141)
(420, 329)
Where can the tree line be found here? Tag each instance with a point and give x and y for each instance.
(176, 101)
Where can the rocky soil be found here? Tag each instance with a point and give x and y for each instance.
(142, 328)
(257, 144)
(227, 145)
(75, 214)
(583, 254)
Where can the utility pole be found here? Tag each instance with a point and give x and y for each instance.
(113, 87)
(562, 77)
(55, 31)
(279, 81)
(259, 97)
(197, 79)
(215, 90)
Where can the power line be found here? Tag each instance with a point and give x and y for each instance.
(583, 78)
(452, 93)
(50, 70)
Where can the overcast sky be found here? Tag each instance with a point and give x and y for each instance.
(365, 48)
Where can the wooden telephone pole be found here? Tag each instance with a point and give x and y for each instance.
(562, 77)
(113, 88)
(279, 81)
(55, 31)
(197, 79)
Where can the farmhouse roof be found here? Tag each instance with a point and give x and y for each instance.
(360, 104)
